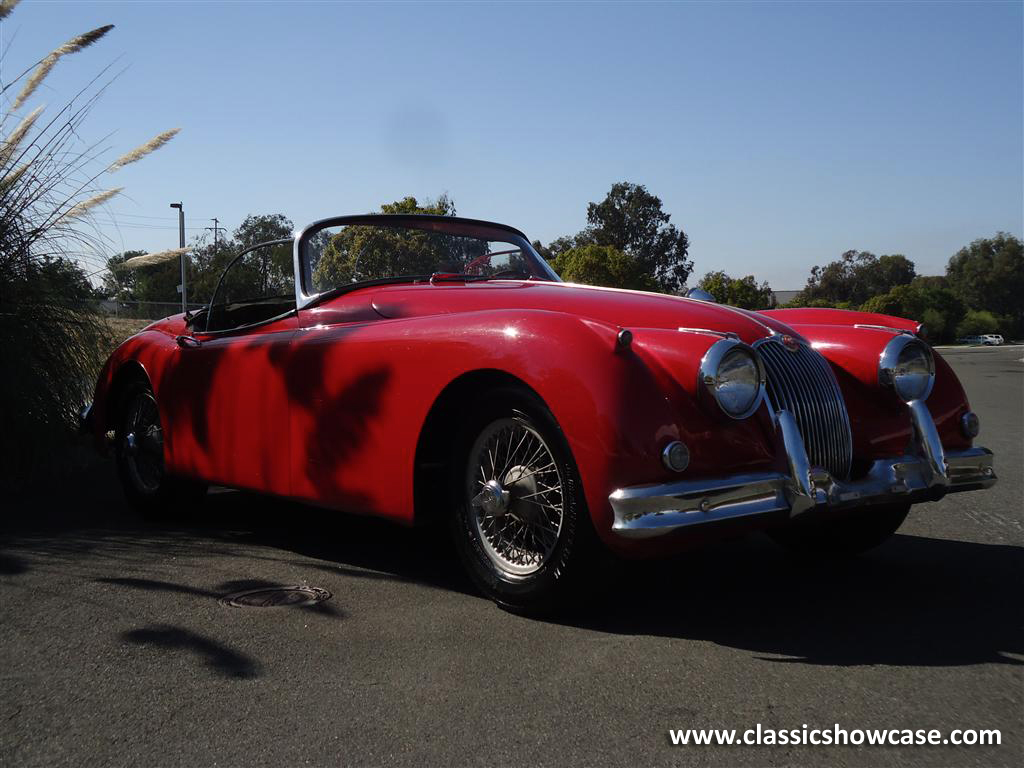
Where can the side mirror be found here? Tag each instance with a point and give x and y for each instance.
(700, 295)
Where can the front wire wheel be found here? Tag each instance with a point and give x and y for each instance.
(521, 524)
(517, 496)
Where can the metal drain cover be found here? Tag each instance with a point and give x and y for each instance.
(276, 597)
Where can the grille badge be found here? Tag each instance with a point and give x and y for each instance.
(789, 343)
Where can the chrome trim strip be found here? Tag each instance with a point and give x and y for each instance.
(645, 511)
(723, 334)
(883, 328)
(302, 299)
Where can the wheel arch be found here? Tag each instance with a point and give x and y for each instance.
(127, 373)
(431, 460)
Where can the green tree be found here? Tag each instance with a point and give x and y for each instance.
(270, 271)
(603, 265)
(275, 267)
(119, 283)
(207, 262)
(854, 278)
(989, 274)
(738, 292)
(630, 221)
(977, 322)
(927, 299)
(260, 228)
(157, 283)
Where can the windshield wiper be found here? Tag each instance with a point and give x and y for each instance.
(349, 287)
(462, 277)
(456, 277)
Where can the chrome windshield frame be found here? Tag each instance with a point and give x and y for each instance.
(304, 295)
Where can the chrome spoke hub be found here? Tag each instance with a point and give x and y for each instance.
(492, 500)
(514, 488)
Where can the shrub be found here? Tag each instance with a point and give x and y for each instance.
(976, 323)
(52, 337)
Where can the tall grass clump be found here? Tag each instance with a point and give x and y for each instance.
(53, 338)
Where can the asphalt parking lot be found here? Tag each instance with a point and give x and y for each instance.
(114, 648)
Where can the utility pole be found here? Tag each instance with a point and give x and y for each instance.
(215, 229)
(181, 243)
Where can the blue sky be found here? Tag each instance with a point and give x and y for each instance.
(777, 135)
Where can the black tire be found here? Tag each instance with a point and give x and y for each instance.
(550, 572)
(858, 531)
(149, 490)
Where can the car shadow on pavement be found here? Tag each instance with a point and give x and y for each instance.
(350, 546)
(914, 601)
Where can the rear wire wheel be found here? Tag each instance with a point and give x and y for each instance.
(142, 444)
(139, 450)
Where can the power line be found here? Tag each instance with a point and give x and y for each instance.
(134, 225)
(144, 216)
(215, 229)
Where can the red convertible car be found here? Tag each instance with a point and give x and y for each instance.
(413, 366)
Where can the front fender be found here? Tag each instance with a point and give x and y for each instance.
(617, 406)
(880, 421)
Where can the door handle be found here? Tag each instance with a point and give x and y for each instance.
(188, 341)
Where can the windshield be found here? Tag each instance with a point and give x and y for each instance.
(350, 251)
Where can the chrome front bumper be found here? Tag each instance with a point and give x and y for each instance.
(644, 511)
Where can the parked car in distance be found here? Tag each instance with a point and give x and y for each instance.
(423, 368)
(988, 339)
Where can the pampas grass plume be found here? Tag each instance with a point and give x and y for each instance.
(152, 259)
(141, 151)
(82, 208)
(73, 45)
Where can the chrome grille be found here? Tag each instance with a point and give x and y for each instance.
(802, 382)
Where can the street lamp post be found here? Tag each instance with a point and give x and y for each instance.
(181, 243)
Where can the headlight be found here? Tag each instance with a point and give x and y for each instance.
(731, 372)
(908, 367)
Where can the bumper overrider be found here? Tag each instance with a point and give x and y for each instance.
(645, 511)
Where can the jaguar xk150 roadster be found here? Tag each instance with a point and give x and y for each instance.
(414, 366)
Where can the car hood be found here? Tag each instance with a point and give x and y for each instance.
(632, 309)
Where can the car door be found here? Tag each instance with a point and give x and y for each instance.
(232, 427)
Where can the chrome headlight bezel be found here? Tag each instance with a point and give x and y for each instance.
(892, 373)
(709, 375)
